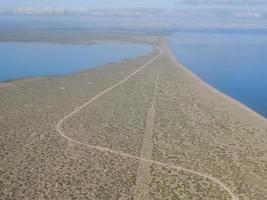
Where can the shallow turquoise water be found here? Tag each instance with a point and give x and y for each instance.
(20, 60)
(236, 64)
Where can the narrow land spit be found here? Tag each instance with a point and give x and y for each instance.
(142, 159)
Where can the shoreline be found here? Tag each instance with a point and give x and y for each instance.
(9, 82)
(162, 43)
(200, 139)
(215, 90)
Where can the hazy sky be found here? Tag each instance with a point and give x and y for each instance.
(87, 3)
(11, 4)
(219, 13)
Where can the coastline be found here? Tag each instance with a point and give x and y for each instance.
(216, 91)
(154, 42)
(10, 82)
(102, 127)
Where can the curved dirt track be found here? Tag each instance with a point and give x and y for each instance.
(103, 149)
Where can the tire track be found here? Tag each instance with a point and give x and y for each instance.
(103, 149)
(143, 175)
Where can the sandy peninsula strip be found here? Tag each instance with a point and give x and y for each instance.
(207, 90)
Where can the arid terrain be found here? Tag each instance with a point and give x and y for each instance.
(143, 128)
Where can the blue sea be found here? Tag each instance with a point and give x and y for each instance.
(21, 60)
(234, 63)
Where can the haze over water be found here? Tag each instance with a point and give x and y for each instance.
(236, 64)
(20, 60)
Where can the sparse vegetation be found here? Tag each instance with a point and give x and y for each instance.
(194, 128)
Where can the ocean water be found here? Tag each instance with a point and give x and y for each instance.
(20, 60)
(235, 64)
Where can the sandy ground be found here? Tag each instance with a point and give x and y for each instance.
(143, 176)
(145, 129)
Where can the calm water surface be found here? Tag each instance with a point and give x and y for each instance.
(236, 64)
(20, 60)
